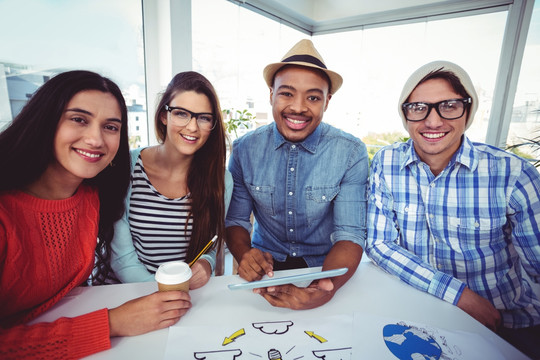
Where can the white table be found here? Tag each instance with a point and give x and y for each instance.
(370, 290)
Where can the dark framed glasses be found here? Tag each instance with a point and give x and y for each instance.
(447, 109)
(181, 117)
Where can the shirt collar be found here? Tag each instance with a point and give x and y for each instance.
(409, 156)
(310, 143)
(466, 155)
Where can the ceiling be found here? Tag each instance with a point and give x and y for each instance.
(325, 16)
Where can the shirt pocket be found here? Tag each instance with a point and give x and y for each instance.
(263, 195)
(319, 202)
(476, 238)
(410, 217)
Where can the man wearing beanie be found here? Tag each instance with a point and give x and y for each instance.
(305, 182)
(457, 219)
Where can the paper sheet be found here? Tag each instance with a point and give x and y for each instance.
(328, 338)
(341, 337)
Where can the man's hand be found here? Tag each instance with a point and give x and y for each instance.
(292, 297)
(155, 311)
(254, 264)
(480, 309)
(343, 254)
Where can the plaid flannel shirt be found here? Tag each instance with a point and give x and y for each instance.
(475, 224)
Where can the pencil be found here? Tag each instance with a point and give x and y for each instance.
(203, 250)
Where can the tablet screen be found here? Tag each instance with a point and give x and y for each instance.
(300, 280)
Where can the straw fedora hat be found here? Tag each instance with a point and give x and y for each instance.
(303, 54)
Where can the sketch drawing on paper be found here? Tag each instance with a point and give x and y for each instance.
(409, 343)
(218, 355)
(273, 327)
(333, 354)
(283, 344)
(233, 337)
(315, 336)
(413, 342)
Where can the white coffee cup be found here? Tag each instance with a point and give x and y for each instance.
(173, 275)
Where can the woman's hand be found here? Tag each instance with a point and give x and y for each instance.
(148, 313)
(201, 272)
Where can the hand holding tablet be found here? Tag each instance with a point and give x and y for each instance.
(301, 280)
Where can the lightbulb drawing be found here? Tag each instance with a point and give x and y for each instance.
(274, 354)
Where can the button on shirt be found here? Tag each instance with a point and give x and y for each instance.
(304, 196)
(476, 223)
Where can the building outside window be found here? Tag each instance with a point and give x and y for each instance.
(41, 38)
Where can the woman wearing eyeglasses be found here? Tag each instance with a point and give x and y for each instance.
(179, 190)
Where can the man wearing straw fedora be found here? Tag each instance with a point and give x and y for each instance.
(305, 182)
(457, 219)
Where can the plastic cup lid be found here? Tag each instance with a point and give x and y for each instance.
(173, 272)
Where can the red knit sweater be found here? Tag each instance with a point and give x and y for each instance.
(46, 249)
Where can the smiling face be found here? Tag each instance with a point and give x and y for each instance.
(187, 139)
(299, 99)
(436, 139)
(87, 136)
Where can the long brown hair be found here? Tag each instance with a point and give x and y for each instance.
(27, 146)
(206, 177)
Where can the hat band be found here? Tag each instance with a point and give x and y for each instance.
(305, 58)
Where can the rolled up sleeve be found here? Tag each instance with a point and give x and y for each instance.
(350, 205)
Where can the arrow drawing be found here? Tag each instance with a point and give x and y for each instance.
(233, 337)
(318, 337)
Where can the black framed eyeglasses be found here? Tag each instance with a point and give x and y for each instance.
(447, 109)
(181, 117)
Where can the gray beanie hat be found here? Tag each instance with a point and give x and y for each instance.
(419, 74)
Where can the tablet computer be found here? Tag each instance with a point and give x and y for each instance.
(301, 280)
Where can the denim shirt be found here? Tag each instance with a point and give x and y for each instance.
(305, 196)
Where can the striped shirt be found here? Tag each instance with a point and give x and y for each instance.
(476, 223)
(158, 224)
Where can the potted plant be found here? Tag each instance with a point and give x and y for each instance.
(237, 119)
(528, 149)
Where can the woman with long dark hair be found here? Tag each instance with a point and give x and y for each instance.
(180, 189)
(65, 173)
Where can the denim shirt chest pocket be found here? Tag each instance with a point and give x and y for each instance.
(319, 202)
(263, 195)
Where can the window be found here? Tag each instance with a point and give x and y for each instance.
(525, 124)
(231, 46)
(375, 64)
(233, 52)
(41, 38)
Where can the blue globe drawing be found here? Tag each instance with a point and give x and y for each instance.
(409, 343)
